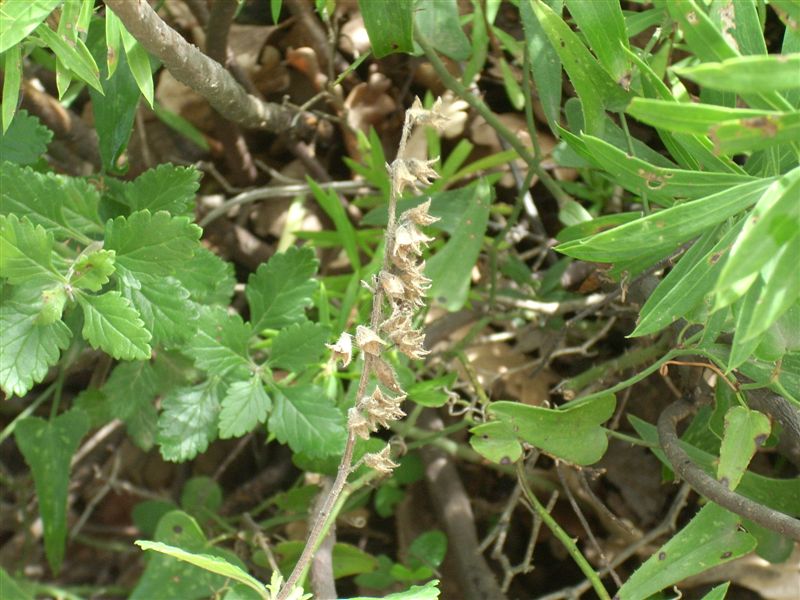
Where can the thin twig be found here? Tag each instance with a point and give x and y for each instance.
(711, 488)
(282, 191)
(194, 69)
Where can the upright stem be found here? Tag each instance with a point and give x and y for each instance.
(562, 535)
(327, 511)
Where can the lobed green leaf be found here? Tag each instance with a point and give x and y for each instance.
(304, 417)
(154, 244)
(281, 289)
(298, 346)
(29, 348)
(113, 325)
(245, 405)
(220, 345)
(26, 251)
(188, 421)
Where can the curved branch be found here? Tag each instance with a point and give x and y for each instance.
(710, 487)
(194, 69)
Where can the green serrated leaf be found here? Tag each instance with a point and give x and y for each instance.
(113, 325)
(280, 290)
(19, 19)
(130, 394)
(166, 187)
(53, 301)
(91, 270)
(26, 251)
(64, 206)
(220, 345)
(48, 448)
(711, 538)
(208, 278)
(188, 422)
(298, 346)
(305, 418)
(449, 269)
(163, 304)
(29, 348)
(245, 405)
(154, 244)
(745, 432)
(573, 433)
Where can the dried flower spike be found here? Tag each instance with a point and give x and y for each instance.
(435, 117)
(419, 214)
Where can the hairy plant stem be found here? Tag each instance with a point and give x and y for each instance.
(452, 83)
(333, 501)
(562, 535)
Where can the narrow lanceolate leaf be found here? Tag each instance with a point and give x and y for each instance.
(48, 447)
(449, 270)
(668, 228)
(27, 349)
(25, 251)
(545, 64)
(220, 345)
(688, 283)
(596, 89)
(774, 222)
(163, 304)
(65, 206)
(305, 418)
(280, 290)
(113, 325)
(166, 187)
(188, 422)
(18, 19)
(747, 74)
(745, 432)
(688, 117)
(156, 244)
(139, 64)
(389, 26)
(299, 345)
(12, 79)
(75, 56)
(244, 406)
(711, 538)
(602, 23)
